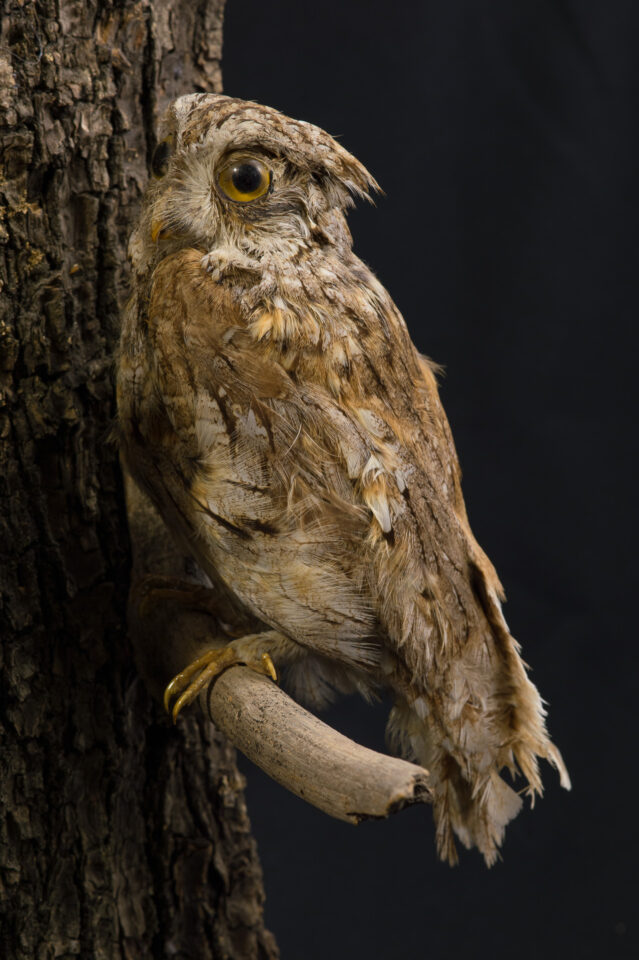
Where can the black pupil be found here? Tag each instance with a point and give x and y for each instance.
(160, 160)
(246, 177)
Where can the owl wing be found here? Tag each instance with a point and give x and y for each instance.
(469, 709)
(339, 522)
(239, 462)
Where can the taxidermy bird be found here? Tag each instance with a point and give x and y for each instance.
(275, 410)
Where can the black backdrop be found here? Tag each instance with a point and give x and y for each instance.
(504, 135)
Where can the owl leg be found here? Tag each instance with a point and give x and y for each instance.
(158, 589)
(249, 651)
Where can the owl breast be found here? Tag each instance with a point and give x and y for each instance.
(242, 463)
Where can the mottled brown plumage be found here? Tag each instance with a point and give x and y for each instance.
(273, 406)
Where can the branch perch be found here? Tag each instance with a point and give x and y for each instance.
(295, 748)
(307, 756)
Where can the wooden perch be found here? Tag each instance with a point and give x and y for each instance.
(307, 756)
(291, 745)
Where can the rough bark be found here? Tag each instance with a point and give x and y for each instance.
(120, 835)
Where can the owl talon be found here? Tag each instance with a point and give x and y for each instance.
(268, 667)
(205, 669)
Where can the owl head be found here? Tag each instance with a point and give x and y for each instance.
(230, 172)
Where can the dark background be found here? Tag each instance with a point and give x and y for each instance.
(505, 137)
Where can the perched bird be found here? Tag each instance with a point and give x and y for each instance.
(274, 408)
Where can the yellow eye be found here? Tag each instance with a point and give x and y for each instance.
(245, 180)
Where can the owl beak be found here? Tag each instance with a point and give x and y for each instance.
(158, 230)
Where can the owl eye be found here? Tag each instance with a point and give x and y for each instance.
(160, 158)
(245, 180)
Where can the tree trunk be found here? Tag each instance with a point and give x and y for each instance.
(121, 836)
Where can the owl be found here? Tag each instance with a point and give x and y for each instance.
(274, 408)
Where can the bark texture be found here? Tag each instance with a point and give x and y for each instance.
(120, 836)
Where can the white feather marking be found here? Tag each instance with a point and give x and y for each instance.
(353, 458)
(209, 424)
(372, 469)
(371, 422)
(421, 707)
(251, 428)
(378, 504)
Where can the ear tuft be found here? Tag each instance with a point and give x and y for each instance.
(353, 177)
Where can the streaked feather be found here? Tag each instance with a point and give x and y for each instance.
(274, 407)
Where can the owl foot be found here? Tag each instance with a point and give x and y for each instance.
(161, 589)
(205, 669)
(156, 591)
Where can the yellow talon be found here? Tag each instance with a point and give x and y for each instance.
(181, 679)
(210, 665)
(269, 667)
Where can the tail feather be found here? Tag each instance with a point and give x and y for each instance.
(486, 717)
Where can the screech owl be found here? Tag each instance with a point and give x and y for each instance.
(274, 408)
